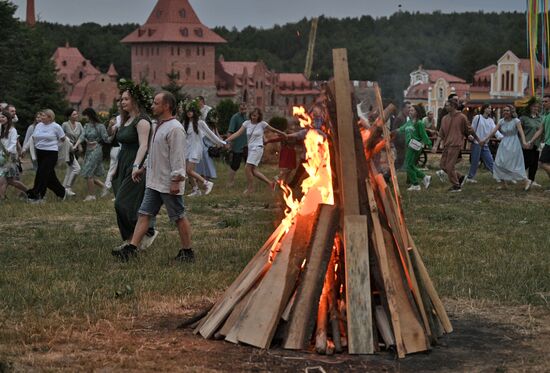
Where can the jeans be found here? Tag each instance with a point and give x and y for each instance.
(153, 201)
(480, 153)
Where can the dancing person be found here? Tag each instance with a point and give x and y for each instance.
(114, 124)
(543, 130)
(430, 124)
(94, 135)
(73, 129)
(196, 130)
(8, 156)
(27, 142)
(482, 124)
(133, 136)
(455, 128)
(509, 165)
(45, 139)
(206, 167)
(165, 180)
(398, 143)
(255, 128)
(238, 144)
(415, 140)
(530, 123)
(287, 153)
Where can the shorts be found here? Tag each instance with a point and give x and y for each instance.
(255, 155)
(236, 159)
(545, 154)
(153, 201)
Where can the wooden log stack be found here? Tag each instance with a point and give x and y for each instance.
(345, 276)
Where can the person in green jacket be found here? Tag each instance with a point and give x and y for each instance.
(415, 138)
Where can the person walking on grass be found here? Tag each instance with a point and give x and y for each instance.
(482, 124)
(455, 128)
(8, 156)
(73, 130)
(94, 135)
(196, 129)
(254, 128)
(544, 131)
(415, 140)
(46, 138)
(509, 165)
(531, 124)
(114, 125)
(165, 180)
(238, 144)
(133, 137)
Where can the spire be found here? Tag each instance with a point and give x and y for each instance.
(112, 71)
(173, 11)
(31, 17)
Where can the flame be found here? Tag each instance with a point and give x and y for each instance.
(317, 186)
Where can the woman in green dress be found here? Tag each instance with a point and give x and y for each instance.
(133, 137)
(94, 135)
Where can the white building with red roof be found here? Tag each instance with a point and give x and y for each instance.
(83, 84)
(432, 87)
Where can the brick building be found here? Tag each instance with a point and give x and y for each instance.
(83, 84)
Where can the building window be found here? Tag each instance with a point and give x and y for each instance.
(203, 75)
(184, 32)
(198, 75)
(188, 71)
(203, 52)
(198, 32)
(245, 96)
(272, 98)
(188, 52)
(502, 82)
(512, 82)
(440, 93)
(257, 85)
(198, 51)
(90, 102)
(80, 75)
(182, 13)
(172, 51)
(178, 51)
(158, 51)
(507, 80)
(64, 63)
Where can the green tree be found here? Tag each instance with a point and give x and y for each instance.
(226, 108)
(174, 87)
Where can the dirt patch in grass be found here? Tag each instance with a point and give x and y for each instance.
(487, 337)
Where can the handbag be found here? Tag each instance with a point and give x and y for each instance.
(214, 152)
(415, 145)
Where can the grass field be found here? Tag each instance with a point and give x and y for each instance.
(483, 244)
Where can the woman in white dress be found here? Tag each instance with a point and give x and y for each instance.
(196, 130)
(255, 128)
(9, 172)
(509, 165)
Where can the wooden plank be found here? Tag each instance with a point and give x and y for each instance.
(358, 290)
(231, 335)
(348, 180)
(430, 289)
(389, 287)
(302, 319)
(261, 317)
(236, 312)
(254, 270)
(412, 330)
(384, 327)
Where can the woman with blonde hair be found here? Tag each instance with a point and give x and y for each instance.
(46, 137)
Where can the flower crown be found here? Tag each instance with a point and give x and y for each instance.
(141, 93)
(190, 105)
(212, 117)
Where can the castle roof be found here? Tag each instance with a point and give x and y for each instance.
(112, 71)
(69, 60)
(436, 74)
(173, 21)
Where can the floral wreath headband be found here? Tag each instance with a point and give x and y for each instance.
(141, 93)
(189, 105)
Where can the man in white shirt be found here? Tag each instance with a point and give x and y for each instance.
(482, 124)
(165, 178)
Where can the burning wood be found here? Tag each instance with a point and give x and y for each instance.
(309, 286)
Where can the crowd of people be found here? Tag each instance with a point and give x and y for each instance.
(152, 157)
(523, 143)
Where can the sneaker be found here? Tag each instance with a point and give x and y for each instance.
(89, 198)
(185, 256)
(441, 175)
(535, 184)
(105, 192)
(455, 189)
(528, 185)
(426, 181)
(147, 241)
(413, 188)
(36, 201)
(125, 253)
(195, 192)
(69, 192)
(471, 181)
(208, 185)
(462, 180)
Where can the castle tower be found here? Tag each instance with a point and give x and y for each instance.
(31, 16)
(174, 39)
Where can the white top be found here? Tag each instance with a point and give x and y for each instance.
(10, 142)
(204, 112)
(166, 158)
(47, 136)
(255, 133)
(483, 127)
(194, 140)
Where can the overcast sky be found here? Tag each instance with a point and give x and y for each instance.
(241, 13)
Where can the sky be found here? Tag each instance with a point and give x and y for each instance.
(258, 13)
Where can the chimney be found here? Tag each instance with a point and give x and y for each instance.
(31, 18)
